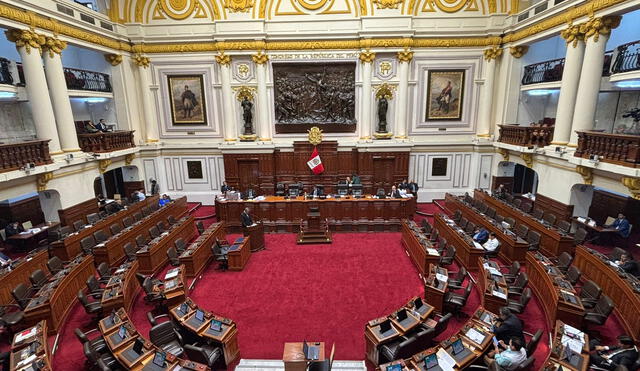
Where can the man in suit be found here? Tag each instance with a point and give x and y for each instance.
(500, 192)
(413, 187)
(246, 218)
(155, 188)
(13, 228)
(395, 193)
(628, 264)
(621, 225)
(250, 193)
(355, 179)
(102, 126)
(403, 184)
(624, 353)
(316, 192)
(507, 326)
(225, 188)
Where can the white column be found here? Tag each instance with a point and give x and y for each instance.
(486, 98)
(29, 46)
(404, 60)
(262, 126)
(569, 86)
(366, 59)
(59, 94)
(230, 127)
(596, 33)
(125, 94)
(151, 124)
(507, 87)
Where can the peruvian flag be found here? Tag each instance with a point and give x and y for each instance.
(315, 164)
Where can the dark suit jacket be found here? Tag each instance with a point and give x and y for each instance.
(316, 192)
(246, 219)
(396, 194)
(10, 230)
(511, 327)
(250, 193)
(625, 358)
(224, 188)
(413, 187)
(631, 267)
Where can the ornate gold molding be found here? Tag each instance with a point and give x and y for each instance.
(223, 59)
(633, 184)
(505, 153)
(42, 180)
(572, 35)
(53, 45)
(527, 158)
(26, 38)
(244, 92)
(103, 165)
(518, 51)
(385, 90)
(260, 58)
(597, 26)
(113, 59)
(128, 159)
(367, 56)
(405, 56)
(315, 135)
(239, 6)
(387, 4)
(141, 61)
(586, 173)
(492, 53)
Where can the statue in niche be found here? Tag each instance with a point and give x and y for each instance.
(247, 115)
(383, 106)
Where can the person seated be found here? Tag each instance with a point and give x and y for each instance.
(403, 184)
(4, 260)
(395, 193)
(492, 243)
(250, 194)
(500, 192)
(355, 179)
(624, 353)
(629, 265)
(225, 187)
(413, 187)
(316, 192)
(101, 199)
(141, 195)
(13, 228)
(102, 126)
(480, 235)
(381, 193)
(165, 199)
(621, 225)
(90, 128)
(507, 326)
(511, 358)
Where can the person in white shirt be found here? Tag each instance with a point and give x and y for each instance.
(492, 243)
(141, 195)
(508, 359)
(4, 260)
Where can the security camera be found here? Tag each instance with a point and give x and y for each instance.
(68, 157)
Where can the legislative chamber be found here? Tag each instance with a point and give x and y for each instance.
(315, 185)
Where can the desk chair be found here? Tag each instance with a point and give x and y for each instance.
(104, 272)
(129, 252)
(220, 255)
(279, 189)
(517, 202)
(55, 265)
(165, 337)
(153, 297)
(200, 227)
(455, 283)
(518, 306)
(22, 294)
(491, 212)
(87, 244)
(549, 218)
(127, 222)
(141, 241)
(172, 254)
(514, 269)
(99, 361)
(93, 218)
(455, 302)
(441, 325)
(509, 198)
(580, 236)
(154, 232)
(526, 207)
(521, 281)
(146, 211)
(434, 236)
(65, 231)
(483, 208)
(94, 288)
(180, 245)
(400, 348)
(616, 254)
(100, 236)
(324, 365)
(447, 259)
(564, 261)
(590, 294)
(600, 312)
(426, 227)
(470, 228)
(537, 214)
(564, 226)
(11, 319)
(456, 216)
(533, 238)
(160, 226)
(510, 221)
(37, 278)
(153, 320)
(206, 354)
(573, 275)
(171, 219)
(115, 228)
(499, 218)
(463, 223)
(493, 254)
(532, 345)
(77, 225)
(521, 231)
(93, 308)
(98, 343)
(442, 244)
(137, 216)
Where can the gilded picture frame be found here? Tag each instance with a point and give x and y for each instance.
(445, 95)
(186, 97)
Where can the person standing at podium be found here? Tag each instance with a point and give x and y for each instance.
(246, 218)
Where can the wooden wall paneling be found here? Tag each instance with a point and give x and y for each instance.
(22, 211)
(606, 204)
(506, 180)
(547, 204)
(78, 211)
(129, 187)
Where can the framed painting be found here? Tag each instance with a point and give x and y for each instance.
(445, 93)
(186, 96)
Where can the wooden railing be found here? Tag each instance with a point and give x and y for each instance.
(106, 142)
(526, 136)
(15, 155)
(618, 149)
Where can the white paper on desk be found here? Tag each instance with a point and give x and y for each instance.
(25, 232)
(27, 360)
(477, 245)
(26, 334)
(581, 219)
(442, 277)
(445, 361)
(433, 252)
(499, 294)
(592, 223)
(492, 270)
(568, 329)
(475, 336)
(120, 270)
(170, 274)
(573, 344)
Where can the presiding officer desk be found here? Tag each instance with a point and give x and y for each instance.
(19, 273)
(553, 241)
(343, 214)
(511, 247)
(622, 288)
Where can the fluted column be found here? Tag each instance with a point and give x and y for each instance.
(59, 95)
(230, 130)
(404, 60)
(29, 45)
(569, 86)
(484, 115)
(596, 33)
(263, 126)
(507, 87)
(151, 124)
(366, 60)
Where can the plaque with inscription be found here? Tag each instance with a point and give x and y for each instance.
(439, 166)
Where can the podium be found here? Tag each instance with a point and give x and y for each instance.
(314, 232)
(256, 234)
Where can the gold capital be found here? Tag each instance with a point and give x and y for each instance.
(597, 26)
(367, 56)
(572, 35)
(405, 56)
(129, 158)
(505, 153)
(527, 158)
(103, 165)
(223, 59)
(141, 61)
(492, 53)
(260, 58)
(586, 173)
(25, 38)
(113, 59)
(519, 50)
(54, 45)
(42, 179)
(236, 6)
(387, 4)
(633, 184)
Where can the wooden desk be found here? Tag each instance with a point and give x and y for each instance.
(154, 256)
(553, 242)
(53, 301)
(22, 268)
(293, 355)
(556, 356)
(511, 247)
(239, 253)
(121, 289)
(554, 304)
(29, 241)
(417, 245)
(435, 294)
(174, 286)
(20, 348)
(344, 214)
(594, 266)
(374, 338)
(227, 336)
(196, 257)
(466, 252)
(69, 247)
(490, 286)
(112, 251)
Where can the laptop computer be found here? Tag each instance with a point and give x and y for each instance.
(216, 325)
(137, 346)
(431, 362)
(459, 351)
(401, 315)
(122, 332)
(310, 352)
(159, 358)
(385, 328)
(199, 315)
(571, 357)
(395, 367)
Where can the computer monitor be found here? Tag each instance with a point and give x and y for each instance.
(305, 349)
(294, 190)
(418, 303)
(137, 346)
(401, 315)
(431, 361)
(356, 190)
(457, 347)
(159, 358)
(486, 318)
(200, 315)
(184, 307)
(385, 326)
(343, 189)
(216, 325)
(396, 367)
(122, 332)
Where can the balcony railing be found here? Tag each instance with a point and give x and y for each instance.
(548, 71)
(627, 58)
(606, 67)
(618, 149)
(526, 136)
(106, 142)
(87, 80)
(14, 155)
